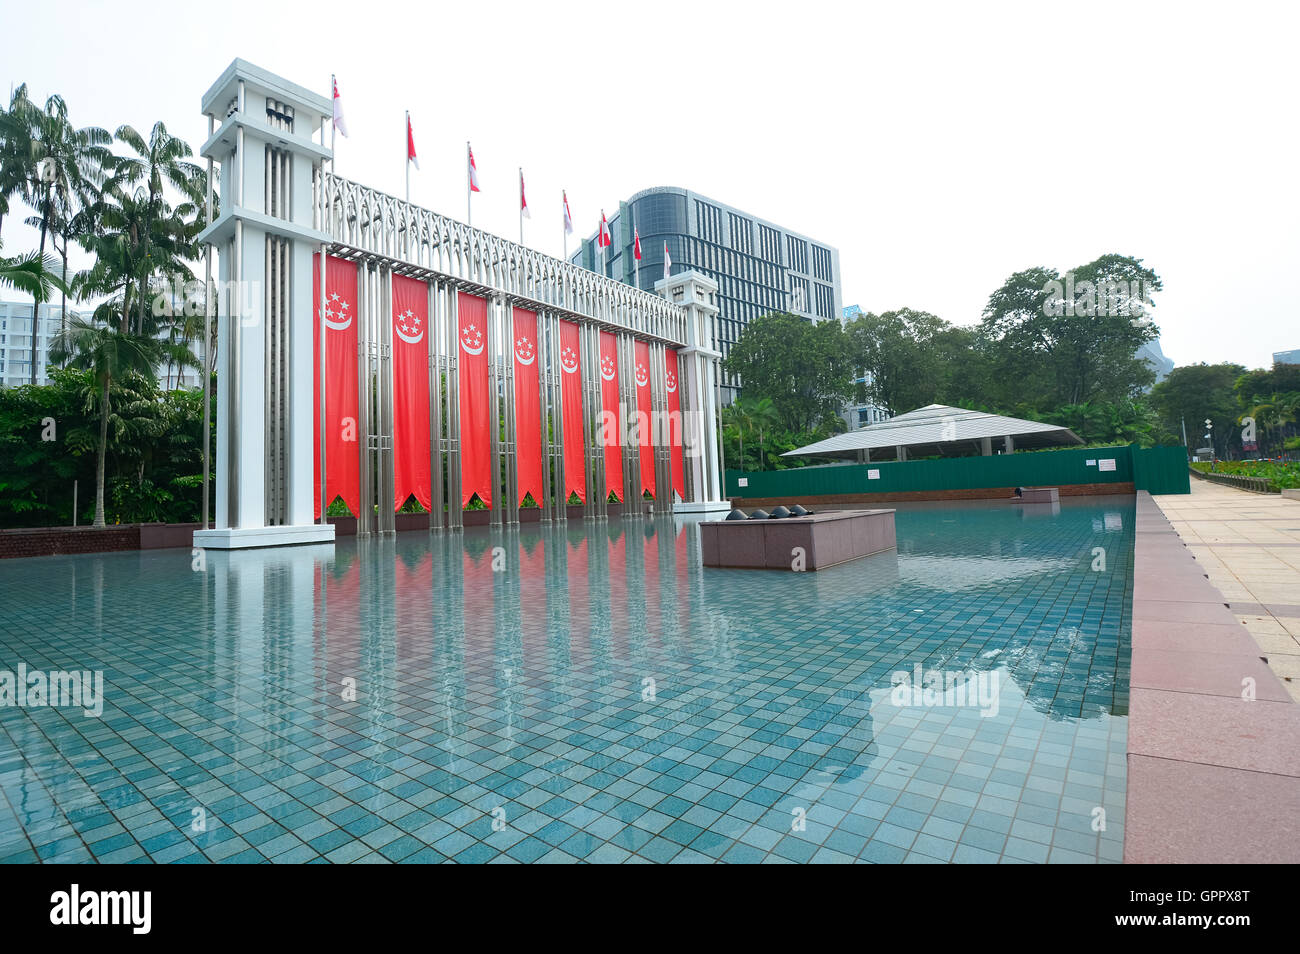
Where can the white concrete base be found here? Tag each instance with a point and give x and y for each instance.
(1291, 493)
(705, 508)
(242, 538)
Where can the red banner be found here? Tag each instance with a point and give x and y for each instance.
(575, 474)
(528, 407)
(644, 419)
(476, 417)
(613, 430)
(342, 450)
(675, 423)
(412, 473)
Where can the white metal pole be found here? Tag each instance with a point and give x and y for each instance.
(207, 348)
(326, 224)
(469, 189)
(408, 155)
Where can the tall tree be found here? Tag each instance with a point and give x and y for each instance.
(159, 161)
(110, 355)
(896, 352)
(65, 164)
(1190, 395)
(1073, 339)
(803, 367)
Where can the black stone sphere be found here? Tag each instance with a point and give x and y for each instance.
(779, 512)
(737, 514)
(758, 515)
(798, 511)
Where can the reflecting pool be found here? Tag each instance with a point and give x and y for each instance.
(581, 692)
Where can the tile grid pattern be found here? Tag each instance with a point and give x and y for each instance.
(771, 698)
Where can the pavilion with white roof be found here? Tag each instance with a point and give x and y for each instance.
(939, 430)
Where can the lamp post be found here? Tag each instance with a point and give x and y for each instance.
(1209, 441)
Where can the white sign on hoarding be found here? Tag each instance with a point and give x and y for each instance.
(1106, 464)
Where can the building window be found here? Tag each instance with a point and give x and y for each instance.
(798, 249)
(709, 219)
(825, 301)
(769, 244)
(742, 233)
(821, 263)
(799, 303)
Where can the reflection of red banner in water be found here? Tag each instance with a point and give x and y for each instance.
(413, 609)
(645, 435)
(619, 611)
(342, 452)
(338, 610)
(478, 595)
(532, 600)
(654, 608)
(476, 418)
(575, 475)
(580, 594)
(609, 404)
(411, 469)
(527, 406)
(675, 422)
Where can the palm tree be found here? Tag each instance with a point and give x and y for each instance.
(157, 162)
(764, 417)
(32, 275)
(109, 354)
(16, 160)
(65, 164)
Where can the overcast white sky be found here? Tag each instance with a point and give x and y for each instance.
(940, 147)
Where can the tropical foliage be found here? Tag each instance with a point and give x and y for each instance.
(1278, 474)
(50, 437)
(1049, 347)
(135, 204)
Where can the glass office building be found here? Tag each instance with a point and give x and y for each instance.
(759, 266)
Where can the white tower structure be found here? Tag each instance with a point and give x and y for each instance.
(697, 296)
(265, 234)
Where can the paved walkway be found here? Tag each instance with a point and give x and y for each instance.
(1213, 734)
(1249, 545)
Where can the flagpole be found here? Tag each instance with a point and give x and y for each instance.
(469, 206)
(408, 155)
(521, 205)
(320, 318)
(636, 257)
(564, 227)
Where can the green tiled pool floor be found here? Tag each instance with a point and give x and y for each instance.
(580, 693)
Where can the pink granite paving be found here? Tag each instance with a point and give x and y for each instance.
(1214, 736)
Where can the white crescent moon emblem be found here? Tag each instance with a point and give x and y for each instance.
(642, 379)
(337, 325)
(607, 377)
(469, 350)
(399, 320)
(409, 339)
(522, 360)
(672, 383)
(569, 368)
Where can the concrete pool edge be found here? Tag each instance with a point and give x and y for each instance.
(1213, 777)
